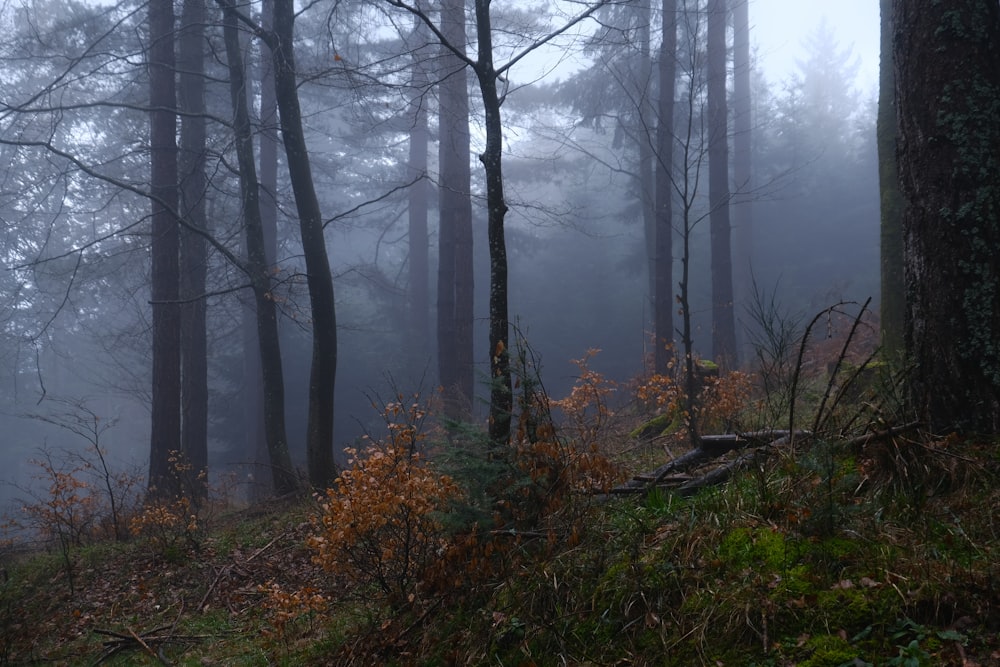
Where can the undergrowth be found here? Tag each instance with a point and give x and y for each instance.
(854, 544)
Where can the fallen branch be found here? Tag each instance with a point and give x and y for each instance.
(145, 642)
(710, 448)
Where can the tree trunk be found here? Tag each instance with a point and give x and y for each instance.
(455, 279)
(663, 312)
(893, 301)
(723, 322)
(166, 389)
(742, 156)
(645, 139)
(948, 92)
(501, 397)
(194, 256)
(258, 269)
(255, 437)
(419, 196)
(319, 431)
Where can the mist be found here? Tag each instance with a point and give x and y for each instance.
(76, 308)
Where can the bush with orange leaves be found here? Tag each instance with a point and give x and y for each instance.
(378, 525)
(723, 400)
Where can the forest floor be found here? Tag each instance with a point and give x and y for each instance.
(885, 555)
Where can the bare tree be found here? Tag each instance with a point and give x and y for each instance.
(258, 269)
(323, 370)
(492, 88)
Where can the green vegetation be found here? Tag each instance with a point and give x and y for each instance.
(839, 551)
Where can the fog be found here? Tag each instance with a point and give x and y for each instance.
(76, 315)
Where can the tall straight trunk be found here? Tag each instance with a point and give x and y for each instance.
(742, 155)
(258, 269)
(645, 139)
(419, 197)
(165, 243)
(663, 312)
(194, 256)
(947, 67)
(455, 279)
(323, 371)
(253, 403)
(723, 322)
(893, 301)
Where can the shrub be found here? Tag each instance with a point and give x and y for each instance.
(378, 524)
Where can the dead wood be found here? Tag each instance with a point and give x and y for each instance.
(150, 642)
(711, 447)
(674, 474)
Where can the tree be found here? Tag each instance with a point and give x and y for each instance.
(258, 269)
(455, 279)
(165, 246)
(193, 256)
(723, 322)
(893, 301)
(492, 88)
(323, 369)
(417, 205)
(663, 302)
(742, 203)
(947, 66)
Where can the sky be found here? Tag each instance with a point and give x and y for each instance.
(778, 28)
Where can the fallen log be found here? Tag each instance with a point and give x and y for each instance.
(710, 447)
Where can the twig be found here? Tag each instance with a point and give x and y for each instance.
(153, 654)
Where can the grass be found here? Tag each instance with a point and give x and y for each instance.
(739, 575)
(884, 553)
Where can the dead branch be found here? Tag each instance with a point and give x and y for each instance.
(131, 641)
(710, 448)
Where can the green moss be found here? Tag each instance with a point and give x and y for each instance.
(664, 424)
(828, 651)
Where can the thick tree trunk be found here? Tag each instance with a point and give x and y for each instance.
(723, 322)
(319, 431)
(663, 311)
(194, 256)
(455, 275)
(893, 301)
(645, 139)
(165, 243)
(742, 156)
(947, 67)
(272, 376)
(419, 197)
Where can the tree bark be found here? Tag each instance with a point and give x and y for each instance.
(947, 67)
(418, 201)
(194, 256)
(165, 242)
(501, 396)
(723, 321)
(893, 301)
(257, 267)
(663, 311)
(323, 371)
(455, 274)
(257, 449)
(742, 156)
